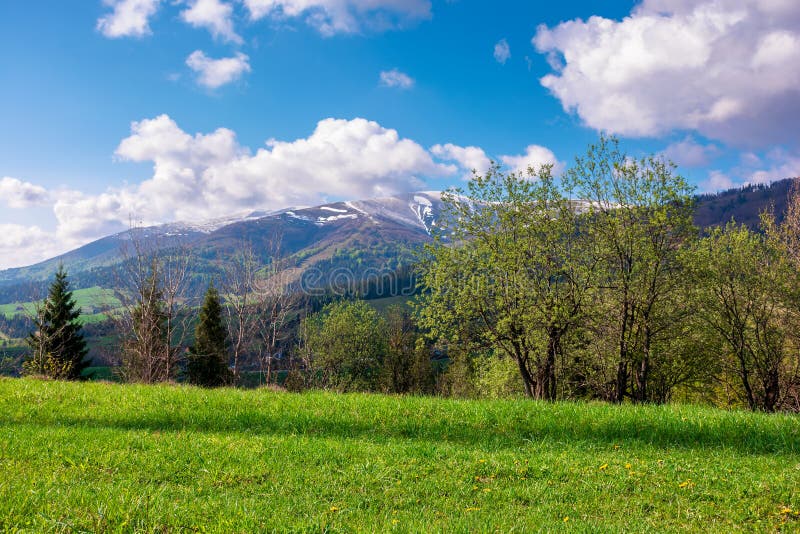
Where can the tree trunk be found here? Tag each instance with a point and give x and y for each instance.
(527, 380)
(549, 372)
(744, 374)
(771, 390)
(621, 383)
(643, 371)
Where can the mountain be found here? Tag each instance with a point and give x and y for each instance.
(357, 237)
(348, 240)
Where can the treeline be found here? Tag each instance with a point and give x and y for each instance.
(525, 291)
(617, 296)
(248, 330)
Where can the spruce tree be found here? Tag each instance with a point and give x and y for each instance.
(59, 350)
(208, 359)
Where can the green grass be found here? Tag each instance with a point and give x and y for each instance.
(89, 300)
(383, 304)
(105, 457)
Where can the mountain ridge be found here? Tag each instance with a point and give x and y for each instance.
(359, 235)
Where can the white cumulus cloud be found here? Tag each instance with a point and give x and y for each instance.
(780, 164)
(729, 70)
(202, 176)
(395, 78)
(213, 15)
(23, 245)
(330, 17)
(716, 181)
(502, 52)
(469, 158)
(690, 153)
(214, 73)
(18, 194)
(128, 18)
(535, 156)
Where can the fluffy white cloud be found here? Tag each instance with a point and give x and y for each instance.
(18, 194)
(202, 176)
(727, 69)
(781, 165)
(395, 78)
(214, 73)
(777, 164)
(690, 153)
(716, 181)
(535, 156)
(330, 17)
(128, 18)
(502, 52)
(22, 245)
(469, 158)
(213, 15)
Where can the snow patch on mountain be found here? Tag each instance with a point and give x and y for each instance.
(324, 220)
(334, 210)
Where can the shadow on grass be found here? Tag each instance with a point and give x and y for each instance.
(476, 427)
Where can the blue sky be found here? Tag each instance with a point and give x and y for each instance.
(163, 110)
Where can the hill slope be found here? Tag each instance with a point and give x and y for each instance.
(97, 457)
(354, 237)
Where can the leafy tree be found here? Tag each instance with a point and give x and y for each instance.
(401, 348)
(208, 359)
(639, 214)
(423, 373)
(59, 350)
(510, 272)
(740, 285)
(347, 341)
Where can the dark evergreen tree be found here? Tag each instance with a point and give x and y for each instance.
(208, 359)
(59, 350)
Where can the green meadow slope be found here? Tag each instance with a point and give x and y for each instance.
(103, 457)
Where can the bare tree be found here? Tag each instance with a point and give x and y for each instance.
(152, 288)
(260, 305)
(239, 290)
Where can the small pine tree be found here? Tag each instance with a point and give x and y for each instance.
(59, 350)
(208, 359)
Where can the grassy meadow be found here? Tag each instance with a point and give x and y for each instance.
(90, 300)
(99, 457)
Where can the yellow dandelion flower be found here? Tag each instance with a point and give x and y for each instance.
(685, 483)
(627, 466)
(566, 518)
(487, 490)
(395, 521)
(472, 509)
(482, 461)
(603, 467)
(334, 509)
(786, 510)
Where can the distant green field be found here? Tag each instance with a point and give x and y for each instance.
(91, 300)
(103, 457)
(381, 305)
